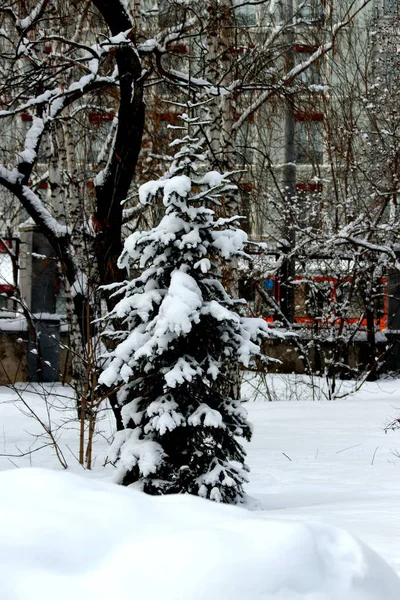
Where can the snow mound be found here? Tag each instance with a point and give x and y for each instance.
(69, 537)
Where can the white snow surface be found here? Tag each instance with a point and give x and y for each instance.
(94, 540)
(133, 450)
(229, 241)
(213, 178)
(180, 185)
(314, 465)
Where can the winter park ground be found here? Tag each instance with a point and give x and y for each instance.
(314, 464)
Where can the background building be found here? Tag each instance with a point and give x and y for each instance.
(300, 98)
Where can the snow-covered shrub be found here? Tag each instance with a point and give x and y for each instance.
(182, 335)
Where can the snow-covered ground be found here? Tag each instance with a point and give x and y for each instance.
(329, 463)
(66, 537)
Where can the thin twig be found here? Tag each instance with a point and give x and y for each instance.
(348, 448)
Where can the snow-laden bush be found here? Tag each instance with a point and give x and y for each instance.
(183, 337)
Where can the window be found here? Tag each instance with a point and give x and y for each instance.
(310, 10)
(309, 139)
(245, 13)
(390, 7)
(311, 75)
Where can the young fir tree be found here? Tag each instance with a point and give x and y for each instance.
(182, 334)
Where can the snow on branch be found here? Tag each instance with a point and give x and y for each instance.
(165, 37)
(57, 98)
(363, 243)
(10, 177)
(32, 139)
(12, 180)
(43, 215)
(33, 15)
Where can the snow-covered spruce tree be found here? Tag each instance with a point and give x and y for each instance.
(181, 431)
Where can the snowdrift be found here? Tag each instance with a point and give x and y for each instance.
(73, 538)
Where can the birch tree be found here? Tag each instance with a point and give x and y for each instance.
(55, 71)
